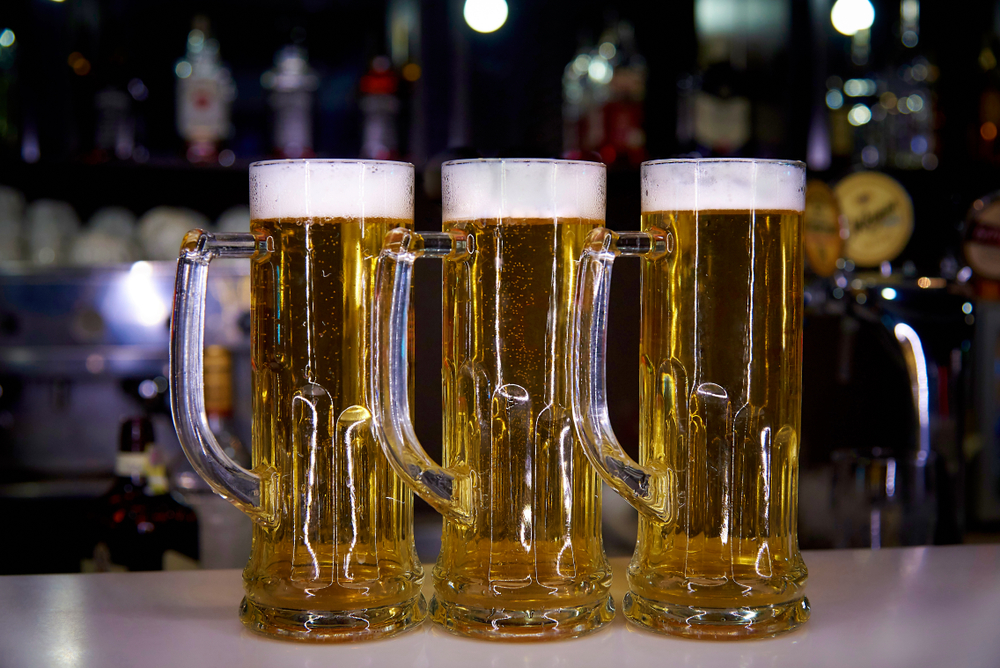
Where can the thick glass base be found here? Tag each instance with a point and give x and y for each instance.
(716, 623)
(529, 625)
(333, 626)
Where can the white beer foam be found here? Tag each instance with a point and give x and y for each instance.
(716, 185)
(499, 188)
(283, 189)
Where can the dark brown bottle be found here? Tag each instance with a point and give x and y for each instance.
(140, 525)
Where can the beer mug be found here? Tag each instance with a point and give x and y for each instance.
(333, 554)
(521, 554)
(720, 392)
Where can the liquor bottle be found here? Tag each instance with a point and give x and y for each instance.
(380, 107)
(603, 93)
(219, 402)
(722, 114)
(225, 533)
(117, 94)
(205, 91)
(292, 84)
(140, 526)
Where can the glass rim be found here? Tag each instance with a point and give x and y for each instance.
(756, 161)
(327, 161)
(540, 161)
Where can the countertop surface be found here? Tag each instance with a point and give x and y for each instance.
(925, 606)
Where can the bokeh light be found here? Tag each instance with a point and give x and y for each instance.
(850, 16)
(485, 15)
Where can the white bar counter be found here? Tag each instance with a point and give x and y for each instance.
(906, 607)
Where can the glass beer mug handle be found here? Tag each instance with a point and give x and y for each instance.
(449, 491)
(650, 489)
(245, 489)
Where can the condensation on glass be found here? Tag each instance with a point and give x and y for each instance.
(521, 554)
(333, 554)
(720, 392)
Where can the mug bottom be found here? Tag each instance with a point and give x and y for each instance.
(522, 625)
(333, 626)
(762, 621)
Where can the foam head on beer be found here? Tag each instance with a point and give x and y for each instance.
(286, 189)
(730, 185)
(523, 189)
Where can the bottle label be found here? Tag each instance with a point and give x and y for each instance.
(131, 464)
(721, 124)
(157, 480)
(202, 114)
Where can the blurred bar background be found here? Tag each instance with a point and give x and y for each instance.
(124, 124)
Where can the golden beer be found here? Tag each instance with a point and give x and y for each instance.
(333, 556)
(535, 540)
(722, 412)
(345, 539)
(521, 555)
(720, 393)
